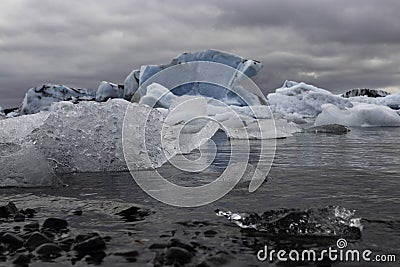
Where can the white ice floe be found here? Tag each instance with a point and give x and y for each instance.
(361, 114)
(392, 100)
(300, 100)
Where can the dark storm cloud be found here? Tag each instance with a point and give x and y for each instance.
(333, 44)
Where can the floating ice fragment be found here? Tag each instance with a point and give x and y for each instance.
(362, 115)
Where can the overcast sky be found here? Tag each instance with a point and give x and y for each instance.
(336, 45)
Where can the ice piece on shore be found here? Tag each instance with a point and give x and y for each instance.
(301, 99)
(24, 166)
(109, 90)
(361, 114)
(365, 92)
(2, 114)
(42, 97)
(322, 222)
(87, 137)
(17, 129)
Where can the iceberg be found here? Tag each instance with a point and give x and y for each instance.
(216, 83)
(391, 100)
(109, 90)
(42, 97)
(361, 115)
(300, 100)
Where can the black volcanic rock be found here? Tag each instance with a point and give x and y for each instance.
(365, 92)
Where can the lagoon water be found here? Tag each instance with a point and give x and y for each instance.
(359, 170)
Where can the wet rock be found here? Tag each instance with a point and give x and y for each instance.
(88, 243)
(55, 224)
(330, 129)
(12, 240)
(66, 244)
(157, 246)
(178, 255)
(31, 226)
(35, 240)
(30, 213)
(22, 260)
(210, 233)
(177, 243)
(19, 217)
(8, 210)
(96, 257)
(50, 250)
(77, 212)
(129, 255)
(134, 213)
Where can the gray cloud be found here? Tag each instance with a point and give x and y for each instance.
(333, 44)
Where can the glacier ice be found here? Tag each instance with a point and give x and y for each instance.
(108, 90)
(42, 97)
(361, 114)
(131, 84)
(83, 137)
(392, 100)
(212, 81)
(157, 96)
(24, 166)
(301, 100)
(17, 129)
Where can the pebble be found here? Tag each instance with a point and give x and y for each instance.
(19, 217)
(12, 239)
(55, 224)
(49, 249)
(158, 246)
(31, 226)
(35, 240)
(22, 259)
(128, 254)
(90, 244)
(178, 254)
(8, 210)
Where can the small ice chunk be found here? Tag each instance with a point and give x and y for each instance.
(362, 115)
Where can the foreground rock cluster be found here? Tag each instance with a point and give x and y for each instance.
(46, 241)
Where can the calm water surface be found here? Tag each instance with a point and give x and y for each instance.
(359, 170)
